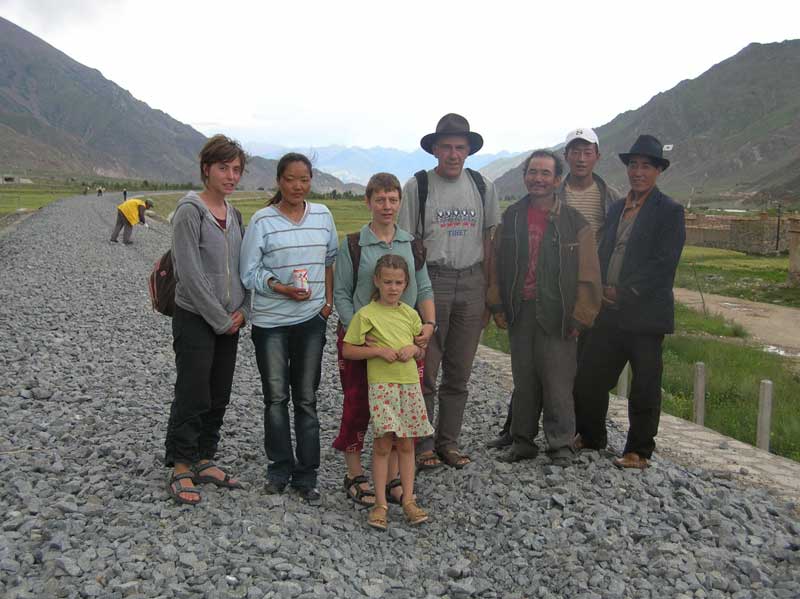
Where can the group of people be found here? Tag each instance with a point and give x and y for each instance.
(413, 289)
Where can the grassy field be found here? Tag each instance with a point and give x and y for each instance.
(725, 272)
(13, 198)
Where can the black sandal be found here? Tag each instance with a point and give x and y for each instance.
(175, 488)
(353, 490)
(393, 484)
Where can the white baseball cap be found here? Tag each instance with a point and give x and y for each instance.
(586, 134)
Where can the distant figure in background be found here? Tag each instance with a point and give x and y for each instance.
(124, 194)
(99, 192)
(639, 250)
(129, 213)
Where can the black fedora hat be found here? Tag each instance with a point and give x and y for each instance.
(452, 124)
(649, 146)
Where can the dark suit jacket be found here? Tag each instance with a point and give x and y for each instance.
(645, 300)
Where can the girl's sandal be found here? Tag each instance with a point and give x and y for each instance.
(414, 514)
(377, 516)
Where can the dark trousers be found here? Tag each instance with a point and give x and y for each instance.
(543, 367)
(290, 361)
(604, 356)
(123, 225)
(205, 363)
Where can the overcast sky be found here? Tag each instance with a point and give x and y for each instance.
(369, 73)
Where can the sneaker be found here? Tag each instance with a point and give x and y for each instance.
(113, 241)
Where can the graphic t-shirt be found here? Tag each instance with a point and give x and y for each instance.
(454, 218)
(391, 326)
(537, 223)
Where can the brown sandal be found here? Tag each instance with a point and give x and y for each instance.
(414, 514)
(428, 460)
(454, 458)
(377, 516)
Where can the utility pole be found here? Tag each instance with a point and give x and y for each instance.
(778, 230)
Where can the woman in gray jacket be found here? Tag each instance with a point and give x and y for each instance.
(211, 305)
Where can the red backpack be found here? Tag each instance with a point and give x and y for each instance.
(161, 282)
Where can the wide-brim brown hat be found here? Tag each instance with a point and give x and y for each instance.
(452, 124)
(649, 146)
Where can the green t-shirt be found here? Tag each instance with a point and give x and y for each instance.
(393, 327)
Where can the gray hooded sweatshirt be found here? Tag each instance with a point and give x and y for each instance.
(206, 260)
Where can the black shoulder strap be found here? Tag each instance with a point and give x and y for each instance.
(422, 187)
(355, 254)
(480, 183)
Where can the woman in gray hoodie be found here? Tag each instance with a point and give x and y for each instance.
(211, 305)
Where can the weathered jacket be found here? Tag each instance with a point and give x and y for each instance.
(568, 291)
(645, 303)
(608, 195)
(206, 260)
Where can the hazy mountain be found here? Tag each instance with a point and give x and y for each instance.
(356, 164)
(59, 117)
(735, 130)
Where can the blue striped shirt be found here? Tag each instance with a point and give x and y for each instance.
(273, 247)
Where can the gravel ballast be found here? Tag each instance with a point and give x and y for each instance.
(87, 373)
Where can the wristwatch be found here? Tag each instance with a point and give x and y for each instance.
(433, 324)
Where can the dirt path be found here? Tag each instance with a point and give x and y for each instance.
(768, 324)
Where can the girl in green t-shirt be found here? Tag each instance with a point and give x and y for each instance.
(397, 408)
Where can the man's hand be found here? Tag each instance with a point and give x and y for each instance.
(424, 337)
(293, 293)
(388, 354)
(500, 320)
(406, 353)
(609, 295)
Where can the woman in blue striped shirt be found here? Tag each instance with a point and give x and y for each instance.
(289, 322)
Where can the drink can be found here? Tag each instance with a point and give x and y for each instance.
(300, 278)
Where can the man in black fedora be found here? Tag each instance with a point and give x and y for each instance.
(640, 246)
(454, 211)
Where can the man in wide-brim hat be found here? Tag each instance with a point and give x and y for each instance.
(454, 210)
(639, 252)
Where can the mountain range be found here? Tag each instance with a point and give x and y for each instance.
(59, 117)
(735, 131)
(357, 165)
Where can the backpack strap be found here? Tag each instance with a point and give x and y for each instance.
(422, 193)
(480, 183)
(239, 218)
(419, 251)
(355, 254)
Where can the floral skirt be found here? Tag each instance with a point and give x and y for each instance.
(398, 408)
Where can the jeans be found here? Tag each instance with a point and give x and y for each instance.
(205, 363)
(290, 358)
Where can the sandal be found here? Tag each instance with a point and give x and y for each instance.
(353, 490)
(393, 484)
(228, 482)
(454, 458)
(377, 516)
(175, 487)
(414, 514)
(428, 460)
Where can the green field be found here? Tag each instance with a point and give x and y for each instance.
(24, 197)
(734, 274)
